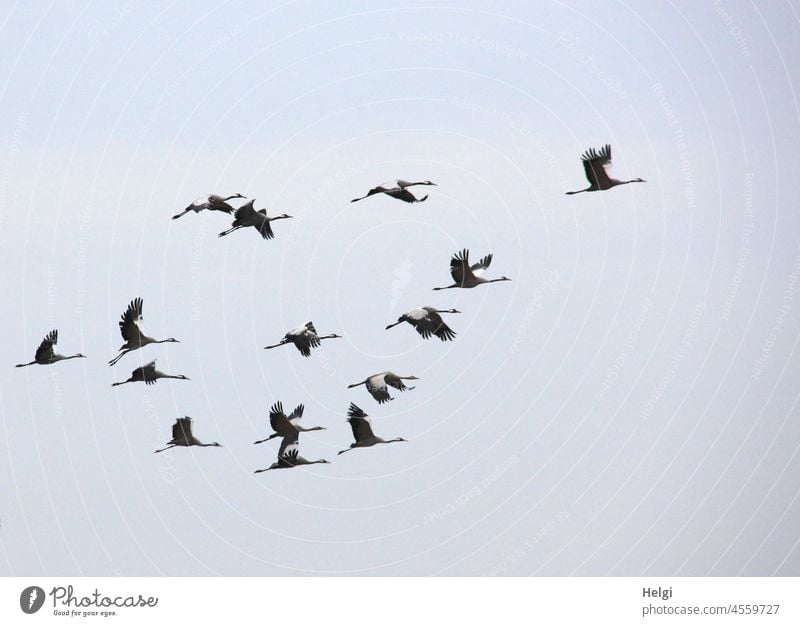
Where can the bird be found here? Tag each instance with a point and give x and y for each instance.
(289, 455)
(209, 202)
(467, 276)
(148, 374)
(286, 426)
(131, 333)
(376, 385)
(594, 165)
(362, 430)
(304, 338)
(45, 354)
(427, 321)
(397, 189)
(182, 435)
(246, 215)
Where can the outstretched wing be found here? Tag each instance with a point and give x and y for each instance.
(245, 213)
(459, 267)
(147, 372)
(278, 419)
(362, 429)
(290, 447)
(355, 411)
(594, 165)
(304, 338)
(182, 429)
(395, 382)
(376, 385)
(128, 325)
(266, 229)
(480, 266)
(297, 414)
(45, 350)
(403, 194)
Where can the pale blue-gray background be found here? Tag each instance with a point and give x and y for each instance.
(627, 405)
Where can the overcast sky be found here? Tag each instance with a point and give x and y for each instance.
(626, 405)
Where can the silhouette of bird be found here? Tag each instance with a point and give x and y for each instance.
(467, 276)
(304, 338)
(376, 385)
(45, 354)
(286, 426)
(397, 189)
(209, 202)
(288, 455)
(246, 215)
(427, 321)
(132, 334)
(148, 374)
(362, 430)
(182, 435)
(594, 165)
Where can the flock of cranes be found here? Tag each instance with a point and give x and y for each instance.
(426, 320)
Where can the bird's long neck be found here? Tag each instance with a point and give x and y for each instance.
(130, 380)
(72, 356)
(448, 287)
(572, 193)
(363, 382)
(329, 337)
(25, 364)
(278, 217)
(497, 280)
(229, 198)
(177, 376)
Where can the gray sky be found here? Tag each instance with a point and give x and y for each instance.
(627, 405)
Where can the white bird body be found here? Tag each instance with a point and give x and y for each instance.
(377, 385)
(594, 166)
(362, 430)
(466, 276)
(397, 188)
(427, 321)
(148, 374)
(304, 338)
(287, 426)
(246, 215)
(45, 353)
(209, 202)
(132, 334)
(182, 436)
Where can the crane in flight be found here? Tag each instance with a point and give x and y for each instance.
(289, 455)
(182, 436)
(377, 385)
(148, 374)
(246, 215)
(362, 430)
(467, 276)
(286, 426)
(45, 355)
(427, 322)
(594, 166)
(132, 334)
(304, 338)
(397, 189)
(209, 202)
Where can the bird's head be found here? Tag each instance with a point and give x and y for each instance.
(285, 216)
(172, 340)
(400, 439)
(639, 180)
(215, 444)
(182, 377)
(504, 278)
(238, 195)
(334, 336)
(454, 311)
(411, 378)
(323, 461)
(81, 356)
(427, 182)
